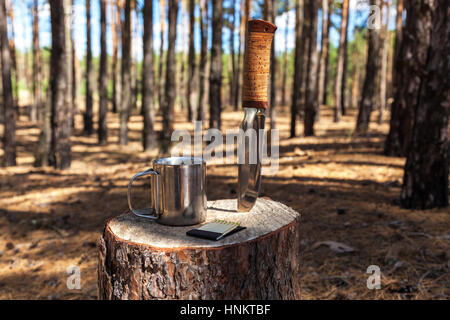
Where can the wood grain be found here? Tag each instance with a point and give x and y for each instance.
(140, 259)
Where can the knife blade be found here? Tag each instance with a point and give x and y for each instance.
(258, 42)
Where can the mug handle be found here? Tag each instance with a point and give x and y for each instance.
(147, 212)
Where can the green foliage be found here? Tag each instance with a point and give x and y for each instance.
(359, 45)
(332, 64)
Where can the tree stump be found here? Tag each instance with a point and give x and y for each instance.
(141, 259)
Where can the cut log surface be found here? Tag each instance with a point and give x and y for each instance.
(141, 259)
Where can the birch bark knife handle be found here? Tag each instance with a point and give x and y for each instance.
(258, 42)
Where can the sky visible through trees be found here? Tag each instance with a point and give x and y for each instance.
(23, 22)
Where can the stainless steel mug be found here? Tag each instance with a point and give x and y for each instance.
(178, 191)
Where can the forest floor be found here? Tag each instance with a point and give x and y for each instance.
(345, 189)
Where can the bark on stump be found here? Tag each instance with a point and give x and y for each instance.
(141, 259)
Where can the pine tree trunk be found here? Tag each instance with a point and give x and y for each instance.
(12, 45)
(305, 49)
(244, 16)
(327, 58)
(298, 65)
(370, 96)
(215, 77)
(9, 122)
(74, 110)
(203, 59)
(88, 113)
(311, 104)
(384, 61)
(269, 14)
(232, 72)
(181, 91)
(273, 72)
(356, 72)
(103, 78)
(114, 26)
(306, 28)
(398, 36)
(340, 74)
(425, 183)
(170, 82)
(60, 156)
(401, 119)
(285, 56)
(237, 74)
(321, 85)
(68, 97)
(344, 71)
(41, 158)
(235, 89)
(134, 74)
(191, 63)
(393, 54)
(149, 139)
(408, 67)
(42, 152)
(37, 92)
(125, 103)
(161, 96)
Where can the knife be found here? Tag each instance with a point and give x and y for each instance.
(258, 42)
